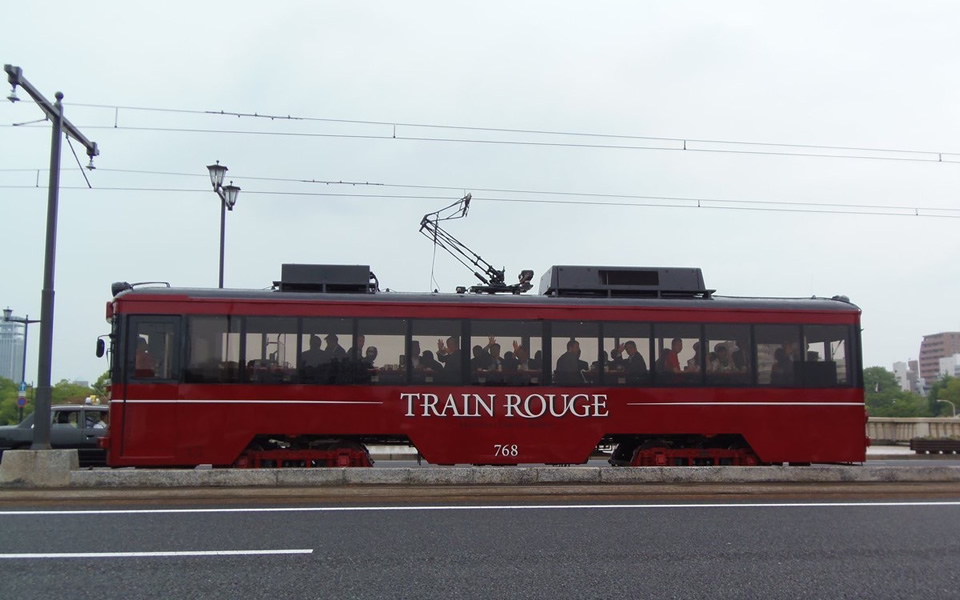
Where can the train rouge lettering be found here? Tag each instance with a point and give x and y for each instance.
(470, 405)
(532, 406)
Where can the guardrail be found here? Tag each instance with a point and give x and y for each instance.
(904, 429)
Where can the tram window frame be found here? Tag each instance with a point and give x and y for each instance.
(818, 339)
(768, 338)
(165, 329)
(662, 337)
(221, 362)
(389, 337)
(430, 331)
(527, 334)
(730, 336)
(258, 364)
(587, 335)
(618, 371)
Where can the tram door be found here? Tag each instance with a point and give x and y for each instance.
(150, 376)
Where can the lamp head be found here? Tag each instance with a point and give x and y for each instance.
(230, 193)
(6, 313)
(217, 172)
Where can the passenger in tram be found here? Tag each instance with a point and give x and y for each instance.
(671, 358)
(536, 363)
(693, 365)
(569, 366)
(510, 363)
(521, 354)
(723, 362)
(314, 356)
(334, 351)
(144, 362)
(428, 362)
(739, 356)
(370, 356)
(414, 359)
(634, 364)
(493, 351)
(781, 373)
(480, 360)
(449, 355)
(356, 351)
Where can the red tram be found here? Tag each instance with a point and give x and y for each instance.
(647, 361)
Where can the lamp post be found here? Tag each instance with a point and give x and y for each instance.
(54, 112)
(228, 197)
(952, 405)
(7, 318)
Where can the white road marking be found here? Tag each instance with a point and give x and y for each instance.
(493, 507)
(155, 554)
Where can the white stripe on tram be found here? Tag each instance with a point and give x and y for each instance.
(159, 401)
(155, 554)
(745, 404)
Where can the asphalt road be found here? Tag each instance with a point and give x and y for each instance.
(698, 547)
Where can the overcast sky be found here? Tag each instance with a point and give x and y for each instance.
(870, 75)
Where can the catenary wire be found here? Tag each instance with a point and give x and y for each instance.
(710, 204)
(524, 191)
(272, 117)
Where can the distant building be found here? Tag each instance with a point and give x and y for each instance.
(950, 365)
(933, 348)
(908, 377)
(11, 351)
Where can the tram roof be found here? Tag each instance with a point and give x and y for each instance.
(836, 303)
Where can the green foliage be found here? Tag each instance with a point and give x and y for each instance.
(62, 393)
(947, 389)
(69, 393)
(885, 398)
(100, 386)
(8, 402)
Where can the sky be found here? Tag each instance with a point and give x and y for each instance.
(788, 149)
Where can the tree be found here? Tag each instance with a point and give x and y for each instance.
(947, 389)
(69, 393)
(100, 386)
(885, 398)
(8, 402)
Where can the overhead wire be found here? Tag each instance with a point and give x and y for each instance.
(668, 202)
(679, 143)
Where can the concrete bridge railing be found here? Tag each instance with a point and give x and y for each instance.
(903, 429)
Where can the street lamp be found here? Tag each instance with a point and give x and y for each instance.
(7, 318)
(228, 197)
(61, 126)
(952, 405)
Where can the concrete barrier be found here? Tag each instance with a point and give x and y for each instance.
(904, 429)
(503, 476)
(38, 468)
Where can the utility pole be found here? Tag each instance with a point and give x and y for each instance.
(54, 112)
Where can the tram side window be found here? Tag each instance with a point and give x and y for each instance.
(213, 350)
(626, 348)
(270, 350)
(778, 355)
(575, 352)
(377, 351)
(441, 360)
(677, 361)
(154, 348)
(827, 356)
(728, 358)
(323, 355)
(504, 352)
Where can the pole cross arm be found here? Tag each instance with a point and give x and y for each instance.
(15, 77)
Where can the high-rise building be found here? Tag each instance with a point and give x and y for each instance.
(950, 365)
(907, 377)
(933, 348)
(11, 350)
